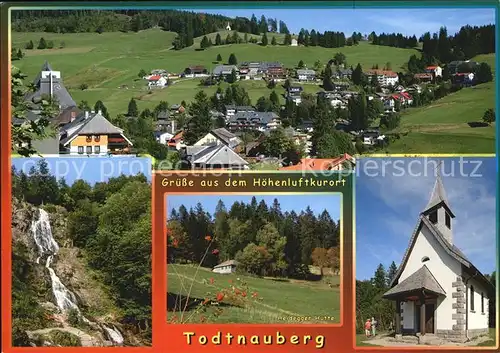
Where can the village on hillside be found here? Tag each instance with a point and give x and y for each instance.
(310, 116)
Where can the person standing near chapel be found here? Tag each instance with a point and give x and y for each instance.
(368, 328)
(374, 326)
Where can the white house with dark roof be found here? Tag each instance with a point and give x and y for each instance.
(306, 75)
(212, 157)
(344, 74)
(257, 121)
(220, 136)
(437, 290)
(92, 134)
(233, 109)
(225, 71)
(226, 267)
(163, 137)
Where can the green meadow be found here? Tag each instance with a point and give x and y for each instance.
(109, 64)
(443, 126)
(277, 300)
(107, 61)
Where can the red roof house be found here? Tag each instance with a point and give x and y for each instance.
(312, 164)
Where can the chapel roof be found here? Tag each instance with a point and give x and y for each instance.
(438, 197)
(449, 248)
(421, 279)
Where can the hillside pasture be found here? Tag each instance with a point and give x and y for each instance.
(109, 63)
(443, 126)
(486, 58)
(105, 62)
(277, 301)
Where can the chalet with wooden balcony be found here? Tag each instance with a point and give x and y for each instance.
(92, 134)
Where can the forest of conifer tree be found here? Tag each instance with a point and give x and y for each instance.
(263, 239)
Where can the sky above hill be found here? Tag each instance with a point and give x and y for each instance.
(91, 169)
(388, 205)
(299, 202)
(406, 21)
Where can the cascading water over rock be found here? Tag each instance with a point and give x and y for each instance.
(114, 334)
(47, 246)
(42, 233)
(64, 298)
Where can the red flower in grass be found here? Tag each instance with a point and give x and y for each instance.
(220, 296)
(244, 294)
(254, 295)
(215, 252)
(230, 281)
(208, 238)
(212, 280)
(175, 243)
(205, 301)
(236, 291)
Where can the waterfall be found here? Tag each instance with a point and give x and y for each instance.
(42, 233)
(65, 299)
(47, 245)
(114, 334)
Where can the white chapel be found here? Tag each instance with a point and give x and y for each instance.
(437, 290)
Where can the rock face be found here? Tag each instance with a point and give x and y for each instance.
(22, 215)
(71, 269)
(82, 337)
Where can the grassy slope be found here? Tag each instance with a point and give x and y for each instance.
(487, 58)
(184, 90)
(364, 53)
(280, 299)
(106, 61)
(441, 127)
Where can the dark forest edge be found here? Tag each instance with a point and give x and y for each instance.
(466, 43)
(264, 240)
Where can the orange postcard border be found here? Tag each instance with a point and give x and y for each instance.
(160, 263)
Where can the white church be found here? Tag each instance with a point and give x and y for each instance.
(437, 290)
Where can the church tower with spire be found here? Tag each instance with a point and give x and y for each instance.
(438, 210)
(436, 288)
